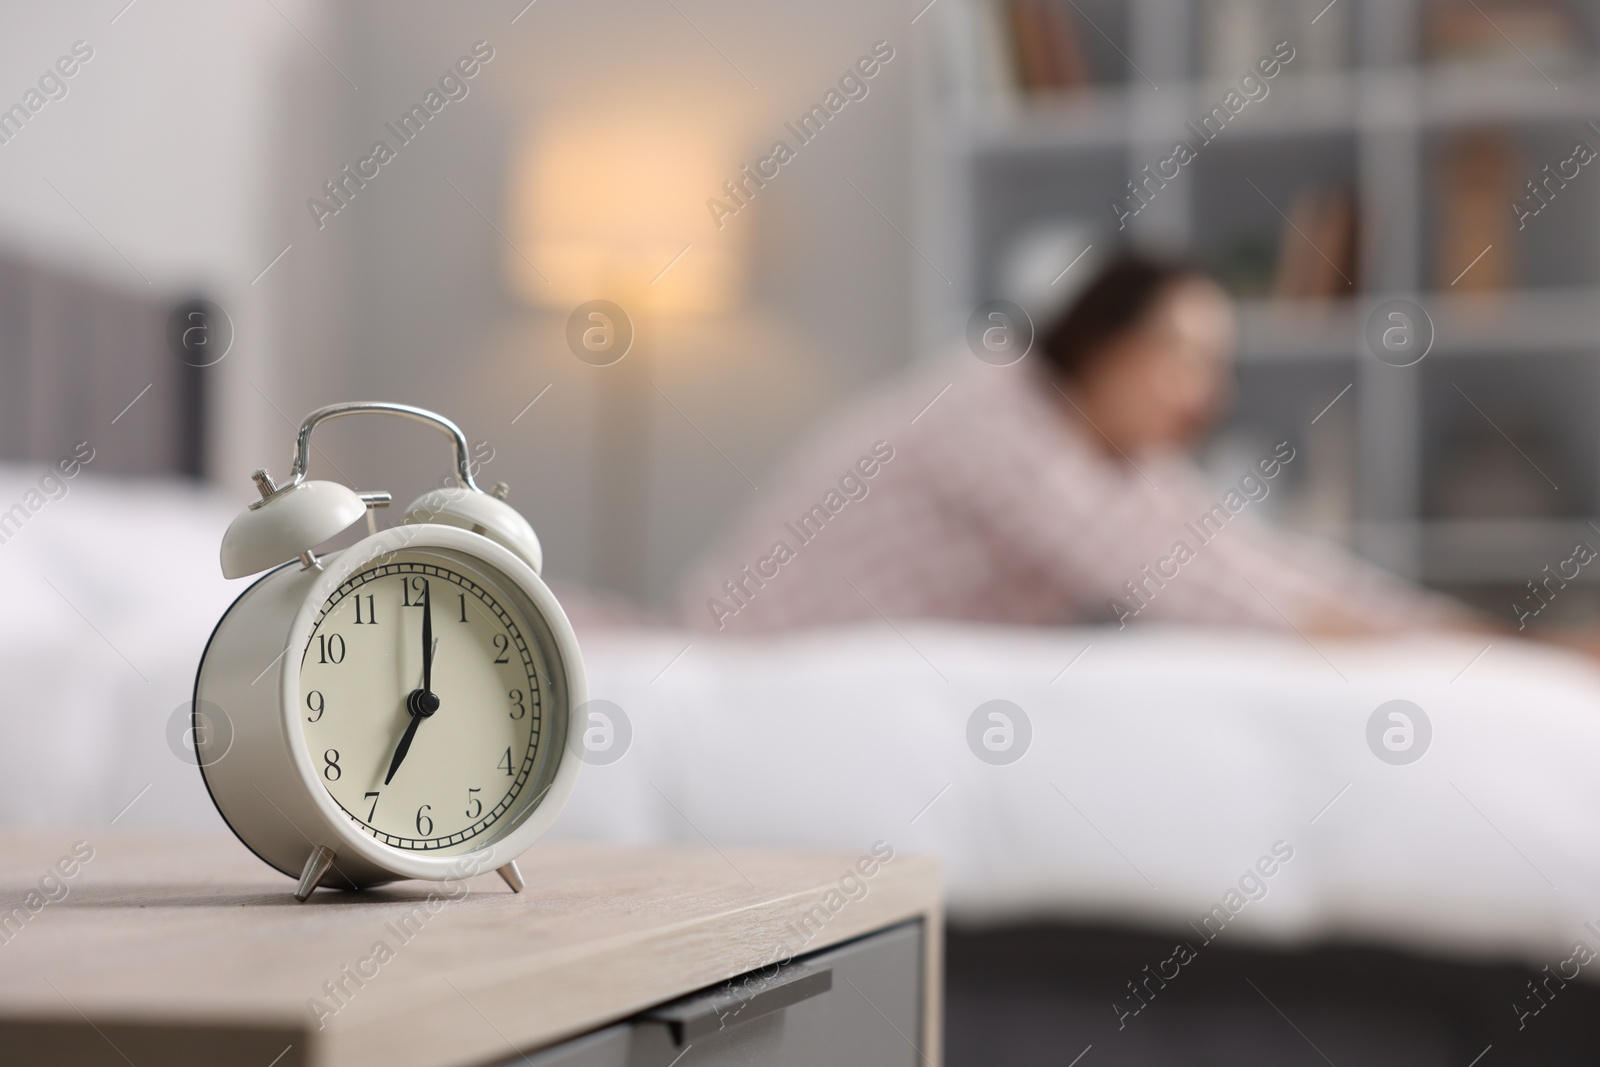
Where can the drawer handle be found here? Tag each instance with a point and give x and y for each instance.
(740, 1001)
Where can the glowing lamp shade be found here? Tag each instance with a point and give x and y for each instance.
(606, 208)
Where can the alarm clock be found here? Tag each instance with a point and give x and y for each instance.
(400, 708)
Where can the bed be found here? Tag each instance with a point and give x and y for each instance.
(1415, 906)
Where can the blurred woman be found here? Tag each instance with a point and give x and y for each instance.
(1055, 490)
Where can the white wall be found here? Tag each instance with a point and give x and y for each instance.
(193, 138)
(402, 295)
(164, 145)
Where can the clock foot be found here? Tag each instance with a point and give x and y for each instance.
(512, 876)
(317, 865)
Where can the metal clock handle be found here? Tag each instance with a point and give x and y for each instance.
(302, 444)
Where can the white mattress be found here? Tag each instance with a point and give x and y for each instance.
(1164, 763)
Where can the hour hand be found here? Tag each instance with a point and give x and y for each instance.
(420, 704)
(403, 748)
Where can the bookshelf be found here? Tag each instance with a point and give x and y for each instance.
(1413, 118)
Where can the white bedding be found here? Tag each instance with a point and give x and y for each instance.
(1164, 763)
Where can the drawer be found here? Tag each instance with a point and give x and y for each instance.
(856, 1004)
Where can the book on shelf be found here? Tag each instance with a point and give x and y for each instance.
(1509, 34)
(999, 51)
(1044, 40)
(977, 69)
(1474, 233)
(1318, 246)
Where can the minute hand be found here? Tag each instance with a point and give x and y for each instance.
(427, 637)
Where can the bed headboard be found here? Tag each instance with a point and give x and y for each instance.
(74, 354)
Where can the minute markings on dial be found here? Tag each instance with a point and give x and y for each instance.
(485, 607)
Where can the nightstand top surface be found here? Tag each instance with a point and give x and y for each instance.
(192, 932)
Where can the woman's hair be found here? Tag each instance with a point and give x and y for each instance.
(1118, 300)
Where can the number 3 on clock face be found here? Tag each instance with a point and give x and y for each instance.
(422, 702)
(406, 706)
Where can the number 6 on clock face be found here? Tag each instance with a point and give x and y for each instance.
(418, 719)
(470, 760)
(400, 708)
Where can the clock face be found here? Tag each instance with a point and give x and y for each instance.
(440, 755)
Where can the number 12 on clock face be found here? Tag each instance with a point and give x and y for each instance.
(402, 706)
(422, 702)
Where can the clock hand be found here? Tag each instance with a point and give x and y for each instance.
(427, 637)
(435, 648)
(404, 747)
(420, 703)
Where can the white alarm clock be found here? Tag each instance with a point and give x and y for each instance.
(400, 708)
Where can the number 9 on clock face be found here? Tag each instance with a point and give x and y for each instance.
(423, 694)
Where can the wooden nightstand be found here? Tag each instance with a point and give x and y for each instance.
(187, 950)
